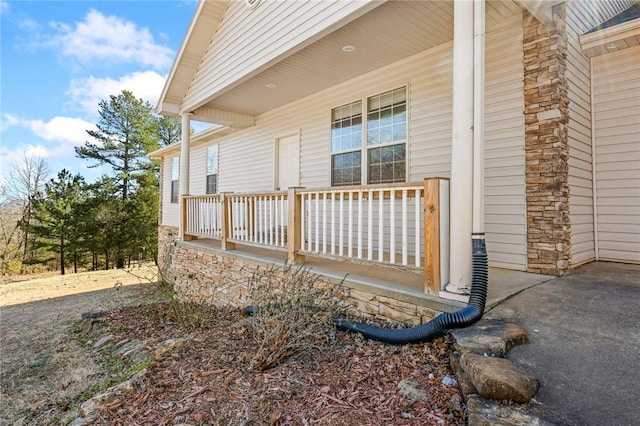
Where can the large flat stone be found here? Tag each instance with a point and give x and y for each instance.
(490, 337)
(464, 381)
(499, 379)
(482, 412)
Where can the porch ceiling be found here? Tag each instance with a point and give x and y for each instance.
(389, 33)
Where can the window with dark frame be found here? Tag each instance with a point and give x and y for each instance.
(175, 183)
(385, 127)
(212, 169)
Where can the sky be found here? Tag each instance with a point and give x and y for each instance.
(58, 59)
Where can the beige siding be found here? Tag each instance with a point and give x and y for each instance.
(247, 40)
(617, 147)
(198, 171)
(582, 16)
(505, 211)
(170, 211)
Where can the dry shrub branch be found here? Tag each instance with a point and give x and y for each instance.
(293, 311)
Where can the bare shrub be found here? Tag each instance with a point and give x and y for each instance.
(293, 311)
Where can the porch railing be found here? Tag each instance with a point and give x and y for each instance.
(405, 225)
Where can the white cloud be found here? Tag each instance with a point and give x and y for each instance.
(4, 7)
(9, 120)
(108, 38)
(65, 130)
(86, 93)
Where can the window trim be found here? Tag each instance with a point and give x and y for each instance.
(364, 148)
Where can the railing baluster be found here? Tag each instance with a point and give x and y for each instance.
(350, 230)
(333, 223)
(317, 223)
(370, 227)
(341, 225)
(303, 218)
(381, 225)
(418, 219)
(360, 195)
(324, 222)
(392, 228)
(405, 255)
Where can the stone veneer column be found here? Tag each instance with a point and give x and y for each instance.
(546, 143)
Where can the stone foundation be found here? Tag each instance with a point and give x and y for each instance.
(212, 276)
(546, 112)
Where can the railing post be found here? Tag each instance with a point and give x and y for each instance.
(294, 226)
(183, 220)
(227, 224)
(432, 271)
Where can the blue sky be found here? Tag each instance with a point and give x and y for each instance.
(60, 58)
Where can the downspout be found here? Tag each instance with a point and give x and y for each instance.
(594, 185)
(478, 296)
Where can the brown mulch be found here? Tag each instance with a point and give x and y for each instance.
(347, 381)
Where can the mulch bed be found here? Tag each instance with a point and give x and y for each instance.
(346, 381)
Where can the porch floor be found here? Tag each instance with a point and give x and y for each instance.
(390, 281)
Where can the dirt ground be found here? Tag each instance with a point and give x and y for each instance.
(40, 363)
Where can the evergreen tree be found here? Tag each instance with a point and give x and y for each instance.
(127, 131)
(56, 215)
(169, 130)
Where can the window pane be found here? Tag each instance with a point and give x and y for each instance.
(175, 188)
(346, 127)
(175, 168)
(387, 117)
(212, 184)
(212, 159)
(387, 164)
(346, 168)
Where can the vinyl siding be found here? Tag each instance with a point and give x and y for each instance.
(170, 211)
(247, 157)
(582, 16)
(617, 147)
(247, 40)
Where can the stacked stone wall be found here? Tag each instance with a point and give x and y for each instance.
(546, 113)
(212, 276)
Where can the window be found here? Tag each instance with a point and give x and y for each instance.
(212, 169)
(382, 158)
(175, 175)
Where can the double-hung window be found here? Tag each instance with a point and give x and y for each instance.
(175, 175)
(379, 156)
(212, 169)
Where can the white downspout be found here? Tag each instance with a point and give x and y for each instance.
(594, 166)
(185, 161)
(478, 117)
(461, 148)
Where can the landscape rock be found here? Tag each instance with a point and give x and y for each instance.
(92, 405)
(410, 389)
(126, 348)
(449, 381)
(489, 337)
(94, 313)
(167, 345)
(103, 340)
(464, 381)
(499, 379)
(482, 412)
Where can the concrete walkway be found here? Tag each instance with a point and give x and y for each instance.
(584, 332)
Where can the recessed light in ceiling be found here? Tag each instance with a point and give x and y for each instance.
(270, 86)
(612, 46)
(348, 48)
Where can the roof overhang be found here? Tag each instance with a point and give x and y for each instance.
(611, 39)
(202, 138)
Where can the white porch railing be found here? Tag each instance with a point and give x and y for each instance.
(405, 225)
(259, 219)
(376, 224)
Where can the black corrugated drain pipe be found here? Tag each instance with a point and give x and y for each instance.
(439, 325)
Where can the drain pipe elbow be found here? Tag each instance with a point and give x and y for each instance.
(438, 326)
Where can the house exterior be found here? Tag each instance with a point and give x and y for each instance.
(344, 131)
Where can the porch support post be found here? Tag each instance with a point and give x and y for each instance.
(294, 226)
(462, 146)
(184, 168)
